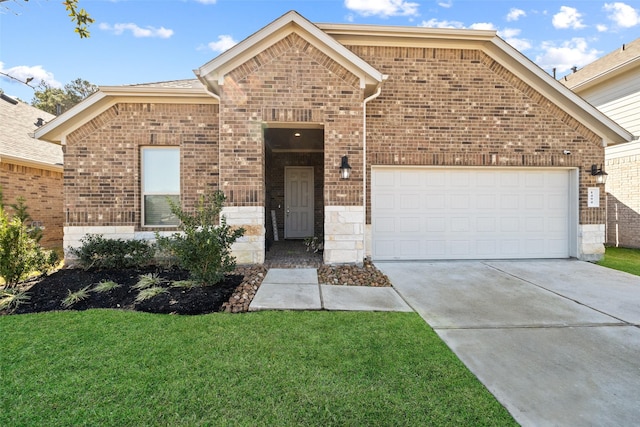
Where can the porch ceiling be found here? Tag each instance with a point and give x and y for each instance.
(294, 139)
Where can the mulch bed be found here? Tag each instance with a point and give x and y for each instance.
(232, 295)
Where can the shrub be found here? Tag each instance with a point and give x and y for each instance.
(147, 281)
(101, 253)
(105, 286)
(149, 293)
(20, 252)
(75, 297)
(12, 299)
(204, 246)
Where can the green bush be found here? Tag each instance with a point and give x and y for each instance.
(100, 253)
(20, 252)
(203, 247)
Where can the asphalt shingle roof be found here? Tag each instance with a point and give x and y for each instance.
(17, 124)
(600, 66)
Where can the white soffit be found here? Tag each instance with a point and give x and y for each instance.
(107, 96)
(214, 71)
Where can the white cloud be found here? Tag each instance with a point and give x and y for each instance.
(446, 4)
(207, 1)
(510, 35)
(434, 23)
(574, 52)
(23, 72)
(622, 14)
(515, 14)
(382, 8)
(482, 26)
(118, 29)
(224, 42)
(601, 28)
(568, 17)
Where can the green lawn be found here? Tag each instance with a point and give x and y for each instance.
(103, 367)
(622, 259)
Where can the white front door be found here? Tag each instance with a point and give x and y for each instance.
(298, 199)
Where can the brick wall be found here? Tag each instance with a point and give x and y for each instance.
(294, 82)
(42, 190)
(623, 201)
(102, 159)
(454, 107)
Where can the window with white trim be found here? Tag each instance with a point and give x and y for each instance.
(160, 183)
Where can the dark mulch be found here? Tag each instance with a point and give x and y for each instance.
(48, 292)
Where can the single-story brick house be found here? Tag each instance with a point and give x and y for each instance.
(31, 168)
(612, 84)
(459, 147)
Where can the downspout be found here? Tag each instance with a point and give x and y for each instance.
(364, 166)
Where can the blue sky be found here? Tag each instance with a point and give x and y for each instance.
(138, 41)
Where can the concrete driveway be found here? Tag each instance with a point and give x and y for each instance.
(556, 341)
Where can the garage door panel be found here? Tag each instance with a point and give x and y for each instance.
(469, 213)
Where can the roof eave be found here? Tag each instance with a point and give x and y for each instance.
(606, 75)
(214, 71)
(55, 167)
(581, 110)
(107, 96)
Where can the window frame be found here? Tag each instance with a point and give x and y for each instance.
(144, 193)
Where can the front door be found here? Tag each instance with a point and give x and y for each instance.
(298, 199)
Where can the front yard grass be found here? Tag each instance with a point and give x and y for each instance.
(107, 367)
(623, 259)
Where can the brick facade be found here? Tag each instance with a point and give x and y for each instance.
(102, 160)
(453, 107)
(623, 201)
(42, 191)
(438, 107)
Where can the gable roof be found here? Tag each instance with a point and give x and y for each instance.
(332, 39)
(617, 62)
(17, 144)
(212, 73)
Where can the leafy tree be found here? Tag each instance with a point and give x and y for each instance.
(78, 16)
(47, 98)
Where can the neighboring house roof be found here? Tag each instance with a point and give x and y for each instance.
(17, 142)
(332, 40)
(617, 62)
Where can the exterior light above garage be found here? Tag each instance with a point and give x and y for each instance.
(345, 169)
(601, 176)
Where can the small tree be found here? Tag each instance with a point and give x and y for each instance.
(20, 253)
(204, 245)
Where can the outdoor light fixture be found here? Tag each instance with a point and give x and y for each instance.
(345, 169)
(601, 176)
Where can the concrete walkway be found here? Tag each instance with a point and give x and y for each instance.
(557, 342)
(298, 289)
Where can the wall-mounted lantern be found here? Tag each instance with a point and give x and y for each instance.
(601, 176)
(345, 169)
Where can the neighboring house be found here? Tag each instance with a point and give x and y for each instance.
(459, 147)
(612, 84)
(31, 168)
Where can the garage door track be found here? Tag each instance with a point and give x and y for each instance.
(557, 342)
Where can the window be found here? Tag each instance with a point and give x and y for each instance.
(160, 182)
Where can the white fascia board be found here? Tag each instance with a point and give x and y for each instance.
(55, 167)
(214, 71)
(43, 131)
(108, 96)
(608, 74)
(395, 32)
(540, 80)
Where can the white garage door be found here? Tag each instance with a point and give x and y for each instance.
(466, 213)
